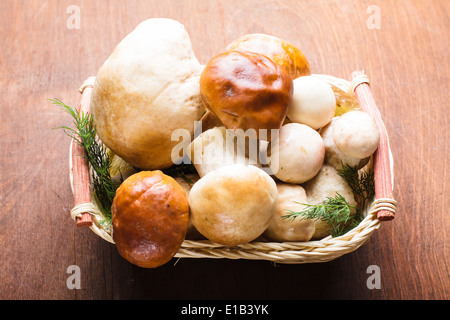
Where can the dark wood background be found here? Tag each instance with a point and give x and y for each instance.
(406, 58)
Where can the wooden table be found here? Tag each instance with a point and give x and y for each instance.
(47, 53)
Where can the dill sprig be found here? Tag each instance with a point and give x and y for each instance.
(84, 133)
(336, 211)
(362, 182)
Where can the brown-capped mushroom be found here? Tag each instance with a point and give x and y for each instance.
(282, 52)
(246, 90)
(150, 216)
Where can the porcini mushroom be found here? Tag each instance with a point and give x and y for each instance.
(333, 156)
(218, 147)
(313, 102)
(234, 204)
(298, 154)
(291, 197)
(280, 51)
(246, 90)
(356, 134)
(150, 216)
(146, 89)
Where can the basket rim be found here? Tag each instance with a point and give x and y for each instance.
(323, 250)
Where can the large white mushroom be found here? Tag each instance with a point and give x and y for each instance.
(298, 155)
(233, 204)
(290, 198)
(234, 200)
(146, 89)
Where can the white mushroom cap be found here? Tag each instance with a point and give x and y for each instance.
(299, 154)
(327, 183)
(233, 204)
(333, 156)
(356, 134)
(290, 197)
(313, 102)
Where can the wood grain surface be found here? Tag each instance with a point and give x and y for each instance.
(404, 53)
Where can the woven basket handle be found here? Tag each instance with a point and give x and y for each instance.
(80, 167)
(384, 203)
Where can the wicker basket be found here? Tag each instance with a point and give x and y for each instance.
(323, 250)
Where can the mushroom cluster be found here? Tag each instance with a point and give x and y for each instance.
(270, 143)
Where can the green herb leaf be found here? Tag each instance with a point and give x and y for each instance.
(360, 181)
(84, 133)
(336, 211)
